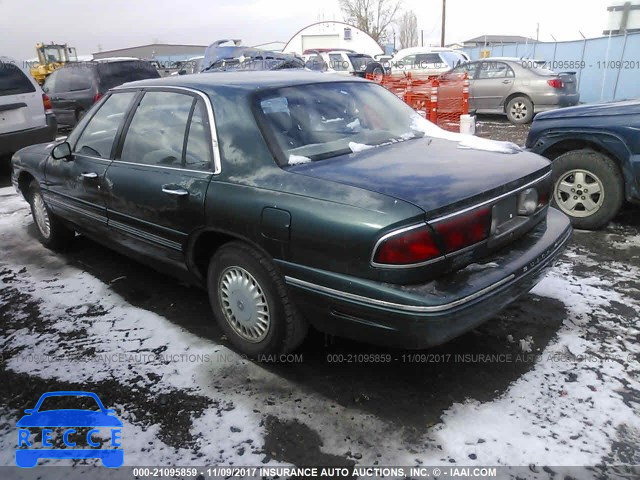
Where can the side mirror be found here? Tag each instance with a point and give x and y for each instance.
(29, 411)
(62, 151)
(182, 72)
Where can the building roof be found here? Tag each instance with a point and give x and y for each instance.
(147, 46)
(247, 80)
(500, 39)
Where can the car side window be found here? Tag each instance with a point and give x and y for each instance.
(63, 82)
(97, 138)
(13, 81)
(468, 68)
(50, 82)
(157, 131)
(198, 153)
(80, 79)
(494, 70)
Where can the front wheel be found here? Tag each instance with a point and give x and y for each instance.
(520, 110)
(52, 233)
(250, 302)
(587, 186)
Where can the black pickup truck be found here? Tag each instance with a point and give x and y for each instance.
(595, 150)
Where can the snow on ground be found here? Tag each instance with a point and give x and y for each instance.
(567, 410)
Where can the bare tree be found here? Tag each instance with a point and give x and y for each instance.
(371, 16)
(408, 29)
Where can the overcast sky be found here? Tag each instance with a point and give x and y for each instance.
(113, 24)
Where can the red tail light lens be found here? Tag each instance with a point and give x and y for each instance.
(407, 247)
(97, 97)
(556, 83)
(464, 230)
(46, 102)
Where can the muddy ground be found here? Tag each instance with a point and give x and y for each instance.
(326, 407)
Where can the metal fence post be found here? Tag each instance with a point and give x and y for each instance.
(624, 47)
(584, 44)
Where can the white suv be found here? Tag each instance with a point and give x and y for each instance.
(25, 111)
(426, 60)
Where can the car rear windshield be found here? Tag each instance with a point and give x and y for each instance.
(318, 121)
(13, 81)
(113, 74)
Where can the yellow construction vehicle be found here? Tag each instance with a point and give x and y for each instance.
(51, 56)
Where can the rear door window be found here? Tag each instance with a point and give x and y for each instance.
(495, 70)
(13, 81)
(81, 78)
(157, 131)
(97, 138)
(112, 74)
(198, 153)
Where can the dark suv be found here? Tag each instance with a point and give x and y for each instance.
(596, 158)
(74, 88)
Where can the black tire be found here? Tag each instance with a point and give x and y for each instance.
(57, 236)
(79, 114)
(376, 69)
(520, 110)
(608, 178)
(286, 329)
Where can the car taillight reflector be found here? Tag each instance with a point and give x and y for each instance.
(97, 97)
(465, 229)
(556, 83)
(408, 247)
(46, 102)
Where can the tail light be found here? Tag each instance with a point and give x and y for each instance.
(407, 247)
(46, 101)
(97, 97)
(555, 83)
(464, 230)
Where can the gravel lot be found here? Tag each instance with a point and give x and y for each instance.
(553, 380)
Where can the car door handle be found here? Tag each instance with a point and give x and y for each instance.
(506, 81)
(89, 175)
(170, 190)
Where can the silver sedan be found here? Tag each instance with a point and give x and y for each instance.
(517, 88)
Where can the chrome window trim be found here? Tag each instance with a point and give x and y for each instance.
(204, 172)
(407, 308)
(217, 165)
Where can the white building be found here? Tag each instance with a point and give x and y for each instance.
(332, 34)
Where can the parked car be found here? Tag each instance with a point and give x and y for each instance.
(595, 151)
(292, 204)
(517, 88)
(426, 60)
(219, 57)
(343, 62)
(191, 66)
(74, 88)
(25, 111)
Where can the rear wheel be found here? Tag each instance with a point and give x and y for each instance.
(52, 232)
(520, 110)
(250, 302)
(587, 186)
(376, 70)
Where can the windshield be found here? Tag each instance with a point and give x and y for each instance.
(319, 121)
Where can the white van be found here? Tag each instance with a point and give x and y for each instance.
(25, 111)
(427, 60)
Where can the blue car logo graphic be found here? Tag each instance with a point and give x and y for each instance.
(68, 418)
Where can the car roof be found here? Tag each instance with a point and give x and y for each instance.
(252, 80)
(425, 50)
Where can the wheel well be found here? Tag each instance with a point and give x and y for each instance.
(574, 144)
(24, 180)
(514, 95)
(204, 247)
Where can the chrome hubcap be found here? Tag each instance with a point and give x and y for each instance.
(41, 215)
(579, 193)
(518, 110)
(244, 304)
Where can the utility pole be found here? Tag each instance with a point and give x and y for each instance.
(422, 38)
(444, 17)
(538, 32)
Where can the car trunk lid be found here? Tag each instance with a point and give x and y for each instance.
(430, 173)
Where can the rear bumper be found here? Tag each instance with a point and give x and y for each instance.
(14, 141)
(551, 101)
(420, 316)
